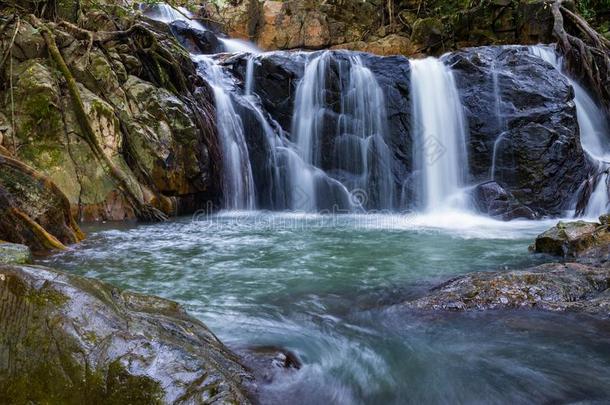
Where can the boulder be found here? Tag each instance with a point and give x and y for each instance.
(194, 40)
(555, 287)
(13, 253)
(491, 199)
(70, 339)
(523, 108)
(577, 239)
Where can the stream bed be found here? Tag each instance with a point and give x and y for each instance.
(328, 289)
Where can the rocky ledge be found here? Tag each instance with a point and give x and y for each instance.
(582, 285)
(553, 286)
(70, 339)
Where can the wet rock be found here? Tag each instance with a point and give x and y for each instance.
(269, 361)
(578, 239)
(78, 340)
(12, 253)
(523, 108)
(155, 123)
(555, 287)
(194, 40)
(33, 211)
(492, 200)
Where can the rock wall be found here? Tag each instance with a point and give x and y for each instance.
(406, 27)
(151, 116)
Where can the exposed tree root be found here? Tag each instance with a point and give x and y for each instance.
(143, 210)
(586, 52)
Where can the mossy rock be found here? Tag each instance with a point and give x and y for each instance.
(73, 340)
(13, 253)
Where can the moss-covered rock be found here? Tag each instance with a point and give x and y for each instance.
(575, 239)
(13, 253)
(570, 287)
(33, 211)
(73, 340)
(158, 137)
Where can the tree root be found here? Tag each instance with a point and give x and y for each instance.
(6, 160)
(586, 53)
(143, 210)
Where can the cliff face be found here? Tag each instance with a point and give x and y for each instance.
(146, 138)
(385, 27)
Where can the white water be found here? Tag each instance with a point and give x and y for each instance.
(440, 131)
(168, 14)
(249, 76)
(594, 133)
(361, 158)
(238, 183)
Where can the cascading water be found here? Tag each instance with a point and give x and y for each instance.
(594, 134)
(440, 131)
(238, 183)
(361, 159)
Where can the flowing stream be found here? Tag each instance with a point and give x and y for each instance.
(310, 284)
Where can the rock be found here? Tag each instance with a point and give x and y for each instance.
(33, 211)
(78, 340)
(12, 253)
(539, 159)
(393, 44)
(428, 32)
(555, 287)
(575, 239)
(267, 362)
(157, 129)
(491, 199)
(195, 40)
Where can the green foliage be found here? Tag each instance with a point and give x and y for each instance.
(590, 9)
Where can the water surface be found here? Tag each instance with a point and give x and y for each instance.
(327, 289)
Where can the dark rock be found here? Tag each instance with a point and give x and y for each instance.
(491, 199)
(575, 239)
(194, 40)
(539, 159)
(554, 287)
(78, 340)
(269, 361)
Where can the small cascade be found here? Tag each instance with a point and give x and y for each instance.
(499, 116)
(238, 183)
(598, 201)
(249, 76)
(440, 131)
(356, 130)
(594, 133)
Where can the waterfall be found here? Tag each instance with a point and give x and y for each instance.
(356, 131)
(500, 119)
(249, 76)
(439, 129)
(594, 133)
(238, 183)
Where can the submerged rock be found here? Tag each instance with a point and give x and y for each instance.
(69, 339)
(578, 239)
(267, 362)
(554, 286)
